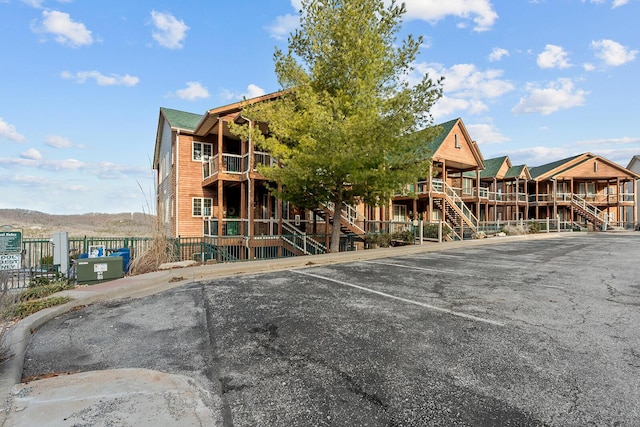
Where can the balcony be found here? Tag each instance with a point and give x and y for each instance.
(235, 164)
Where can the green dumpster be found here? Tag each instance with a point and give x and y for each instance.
(100, 269)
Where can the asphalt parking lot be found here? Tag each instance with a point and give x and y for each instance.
(522, 333)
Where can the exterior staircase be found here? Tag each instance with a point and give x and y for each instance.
(590, 212)
(349, 215)
(299, 242)
(455, 211)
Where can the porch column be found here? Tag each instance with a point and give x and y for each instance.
(635, 200)
(495, 199)
(618, 196)
(243, 209)
(220, 206)
(220, 145)
(517, 199)
(536, 200)
(477, 193)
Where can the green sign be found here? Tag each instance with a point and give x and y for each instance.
(10, 241)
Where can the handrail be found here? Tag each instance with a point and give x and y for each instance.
(348, 213)
(458, 202)
(590, 209)
(300, 240)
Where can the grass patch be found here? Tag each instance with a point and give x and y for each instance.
(16, 305)
(27, 308)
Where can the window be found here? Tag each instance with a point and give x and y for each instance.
(591, 188)
(201, 206)
(399, 213)
(467, 185)
(201, 151)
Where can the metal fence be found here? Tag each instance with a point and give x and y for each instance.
(37, 253)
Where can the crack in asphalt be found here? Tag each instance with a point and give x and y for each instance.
(221, 384)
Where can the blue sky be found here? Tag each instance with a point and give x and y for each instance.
(82, 82)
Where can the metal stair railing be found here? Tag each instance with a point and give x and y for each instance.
(590, 210)
(300, 240)
(453, 216)
(348, 213)
(454, 199)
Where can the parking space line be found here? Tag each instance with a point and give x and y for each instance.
(418, 303)
(411, 267)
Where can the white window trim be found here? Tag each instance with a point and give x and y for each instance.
(202, 155)
(203, 212)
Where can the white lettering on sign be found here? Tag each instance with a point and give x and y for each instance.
(100, 268)
(10, 261)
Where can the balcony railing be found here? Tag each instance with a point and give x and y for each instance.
(591, 198)
(231, 163)
(261, 158)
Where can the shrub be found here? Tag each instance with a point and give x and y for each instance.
(534, 227)
(405, 236)
(382, 240)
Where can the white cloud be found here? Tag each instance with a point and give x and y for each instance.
(466, 80)
(170, 32)
(283, 26)
(497, 54)
(553, 57)
(625, 140)
(480, 11)
(31, 154)
(34, 3)
(8, 131)
(558, 95)
(103, 170)
(539, 155)
(484, 133)
(466, 88)
(251, 92)
(193, 91)
(616, 3)
(56, 141)
(613, 53)
(101, 79)
(65, 30)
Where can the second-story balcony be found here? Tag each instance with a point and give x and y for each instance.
(235, 164)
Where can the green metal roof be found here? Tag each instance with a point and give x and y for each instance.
(181, 119)
(541, 170)
(515, 171)
(492, 167)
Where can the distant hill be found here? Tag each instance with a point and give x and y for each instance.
(39, 224)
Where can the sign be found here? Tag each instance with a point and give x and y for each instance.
(10, 241)
(100, 268)
(10, 261)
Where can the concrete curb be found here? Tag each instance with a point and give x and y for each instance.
(18, 336)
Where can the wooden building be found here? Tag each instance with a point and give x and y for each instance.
(208, 185)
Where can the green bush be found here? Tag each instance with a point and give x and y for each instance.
(534, 227)
(405, 236)
(382, 240)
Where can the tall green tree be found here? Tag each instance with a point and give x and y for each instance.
(345, 127)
